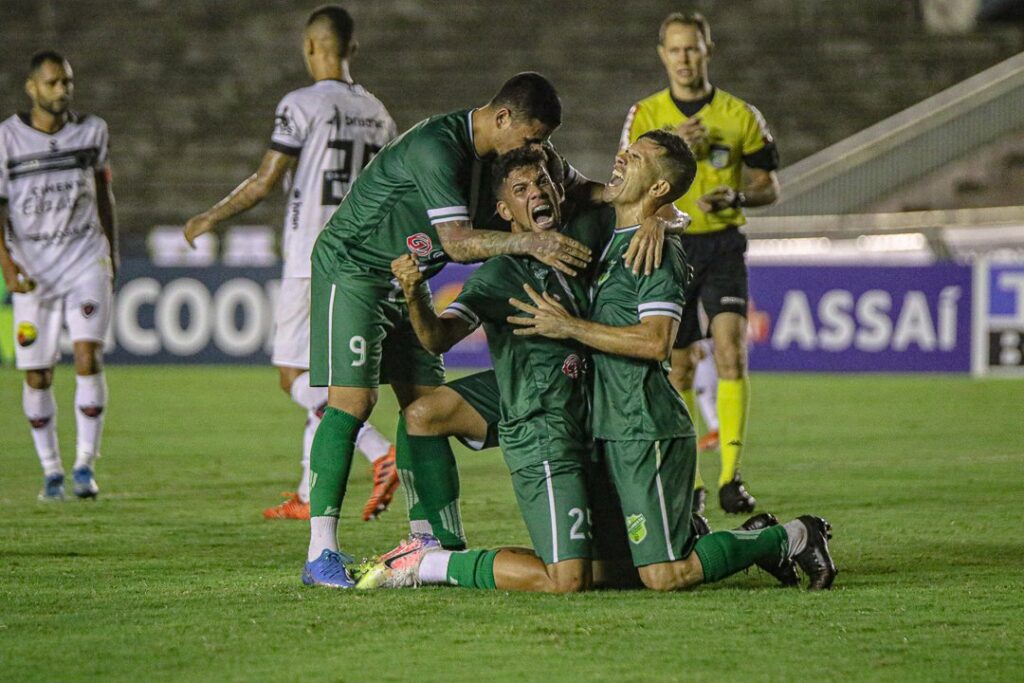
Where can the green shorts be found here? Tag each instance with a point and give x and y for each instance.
(360, 336)
(480, 391)
(553, 500)
(654, 483)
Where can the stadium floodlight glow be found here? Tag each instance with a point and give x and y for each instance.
(790, 246)
(903, 241)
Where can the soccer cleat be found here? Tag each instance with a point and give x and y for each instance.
(815, 559)
(385, 483)
(734, 498)
(785, 569)
(292, 508)
(699, 525)
(700, 497)
(708, 442)
(416, 543)
(53, 488)
(85, 484)
(328, 570)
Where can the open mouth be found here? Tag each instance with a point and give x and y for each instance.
(617, 179)
(543, 215)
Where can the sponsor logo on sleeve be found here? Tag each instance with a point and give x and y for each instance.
(419, 244)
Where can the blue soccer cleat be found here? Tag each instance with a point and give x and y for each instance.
(85, 485)
(53, 488)
(328, 570)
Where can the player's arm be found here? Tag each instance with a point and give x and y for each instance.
(105, 208)
(436, 333)
(16, 280)
(761, 189)
(465, 244)
(251, 192)
(650, 339)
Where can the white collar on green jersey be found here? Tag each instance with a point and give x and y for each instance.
(469, 127)
(629, 228)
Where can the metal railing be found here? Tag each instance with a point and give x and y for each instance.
(871, 164)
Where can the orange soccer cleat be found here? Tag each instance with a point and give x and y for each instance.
(292, 508)
(385, 482)
(708, 442)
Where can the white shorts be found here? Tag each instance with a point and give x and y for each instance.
(291, 324)
(85, 309)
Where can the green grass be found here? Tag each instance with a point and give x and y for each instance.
(173, 575)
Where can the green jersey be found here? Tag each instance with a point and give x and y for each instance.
(545, 397)
(430, 174)
(633, 399)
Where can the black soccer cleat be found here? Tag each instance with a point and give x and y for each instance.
(734, 498)
(785, 569)
(699, 525)
(700, 497)
(815, 559)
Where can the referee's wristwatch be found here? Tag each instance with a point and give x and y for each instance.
(738, 200)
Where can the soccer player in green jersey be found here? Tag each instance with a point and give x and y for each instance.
(647, 440)
(543, 399)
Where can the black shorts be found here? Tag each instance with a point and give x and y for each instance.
(718, 281)
(481, 392)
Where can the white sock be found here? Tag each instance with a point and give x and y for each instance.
(705, 388)
(90, 406)
(306, 396)
(323, 535)
(372, 443)
(312, 422)
(41, 411)
(796, 532)
(434, 567)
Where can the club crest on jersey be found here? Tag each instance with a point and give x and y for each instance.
(27, 334)
(636, 527)
(574, 367)
(283, 122)
(420, 244)
(88, 308)
(718, 156)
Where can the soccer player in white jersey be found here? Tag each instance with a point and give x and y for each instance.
(324, 134)
(58, 257)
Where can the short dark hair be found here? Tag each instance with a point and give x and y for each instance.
(44, 56)
(695, 19)
(338, 20)
(677, 161)
(520, 157)
(530, 96)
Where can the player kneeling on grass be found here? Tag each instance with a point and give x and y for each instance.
(544, 420)
(643, 432)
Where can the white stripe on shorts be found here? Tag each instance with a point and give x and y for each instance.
(661, 501)
(551, 507)
(330, 337)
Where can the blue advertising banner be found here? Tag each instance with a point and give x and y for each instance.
(861, 318)
(223, 314)
(999, 331)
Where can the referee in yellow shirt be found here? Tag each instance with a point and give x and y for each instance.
(731, 142)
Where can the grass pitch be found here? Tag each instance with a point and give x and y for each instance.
(173, 575)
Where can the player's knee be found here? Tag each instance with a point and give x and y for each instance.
(568, 582)
(87, 359)
(426, 416)
(730, 361)
(39, 379)
(669, 576)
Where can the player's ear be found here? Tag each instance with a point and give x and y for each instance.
(504, 211)
(30, 88)
(353, 48)
(503, 118)
(660, 188)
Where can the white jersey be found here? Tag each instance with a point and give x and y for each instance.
(335, 128)
(49, 182)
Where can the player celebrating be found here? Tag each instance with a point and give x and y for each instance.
(648, 442)
(727, 136)
(58, 256)
(324, 134)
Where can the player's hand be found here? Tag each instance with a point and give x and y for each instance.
(644, 251)
(196, 226)
(719, 199)
(548, 317)
(17, 280)
(692, 130)
(407, 271)
(557, 251)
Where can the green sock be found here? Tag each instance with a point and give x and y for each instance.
(404, 464)
(472, 569)
(724, 553)
(330, 461)
(435, 486)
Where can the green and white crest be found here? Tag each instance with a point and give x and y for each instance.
(636, 526)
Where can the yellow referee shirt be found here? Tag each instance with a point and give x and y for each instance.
(738, 135)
